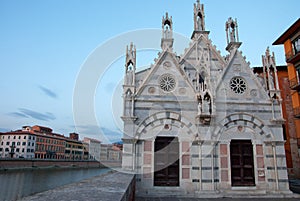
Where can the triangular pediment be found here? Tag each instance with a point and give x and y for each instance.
(166, 78)
(238, 82)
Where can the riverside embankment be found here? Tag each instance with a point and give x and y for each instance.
(17, 183)
(8, 164)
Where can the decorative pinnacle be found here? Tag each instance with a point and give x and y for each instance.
(268, 52)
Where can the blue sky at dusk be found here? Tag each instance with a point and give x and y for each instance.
(44, 45)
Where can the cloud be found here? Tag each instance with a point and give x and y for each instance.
(3, 130)
(48, 92)
(18, 114)
(112, 135)
(94, 131)
(89, 129)
(36, 115)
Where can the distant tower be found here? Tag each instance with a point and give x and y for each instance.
(74, 136)
(232, 35)
(129, 80)
(199, 20)
(167, 33)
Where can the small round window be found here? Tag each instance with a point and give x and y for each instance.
(167, 82)
(238, 85)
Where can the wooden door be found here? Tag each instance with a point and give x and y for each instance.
(242, 166)
(166, 161)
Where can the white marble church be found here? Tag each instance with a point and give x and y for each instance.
(201, 123)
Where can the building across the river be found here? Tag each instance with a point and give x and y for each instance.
(93, 147)
(41, 142)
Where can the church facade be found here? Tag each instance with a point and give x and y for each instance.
(201, 123)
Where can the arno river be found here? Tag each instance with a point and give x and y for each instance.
(15, 184)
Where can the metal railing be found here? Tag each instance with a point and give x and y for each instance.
(294, 83)
(291, 55)
(297, 112)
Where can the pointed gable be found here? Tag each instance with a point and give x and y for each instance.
(202, 63)
(238, 82)
(165, 77)
(202, 54)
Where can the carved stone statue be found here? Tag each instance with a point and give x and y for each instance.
(231, 31)
(271, 80)
(199, 108)
(232, 35)
(206, 105)
(129, 110)
(199, 23)
(128, 94)
(167, 32)
(129, 76)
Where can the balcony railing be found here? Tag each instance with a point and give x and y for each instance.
(297, 112)
(292, 57)
(294, 84)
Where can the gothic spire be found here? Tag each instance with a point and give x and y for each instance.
(231, 27)
(270, 71)
(199, 23)
(130, 67)
(167, 33)
(130, 57)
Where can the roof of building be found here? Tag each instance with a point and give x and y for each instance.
(42, 129)
(288, 33)
(46, 132)
(50, 135)
(73, 140)
(259, 69)
(38, 134)
(91, 139)
(20, 132)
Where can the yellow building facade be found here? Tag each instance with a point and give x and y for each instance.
(291, 41)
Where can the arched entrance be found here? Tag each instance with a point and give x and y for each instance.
(242, 164)
(166, 161)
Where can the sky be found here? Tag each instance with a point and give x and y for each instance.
(62, 62)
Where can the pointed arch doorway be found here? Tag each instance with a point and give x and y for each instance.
(166, 161)
(242, 165)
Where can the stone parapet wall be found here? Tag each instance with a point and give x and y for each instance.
(29, 163)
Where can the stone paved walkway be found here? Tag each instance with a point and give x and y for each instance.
(107, 187)
(111, 187)
(217, 199)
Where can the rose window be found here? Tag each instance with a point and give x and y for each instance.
(238, 85)
(167, 82)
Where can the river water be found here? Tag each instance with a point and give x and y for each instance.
(15, 184)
